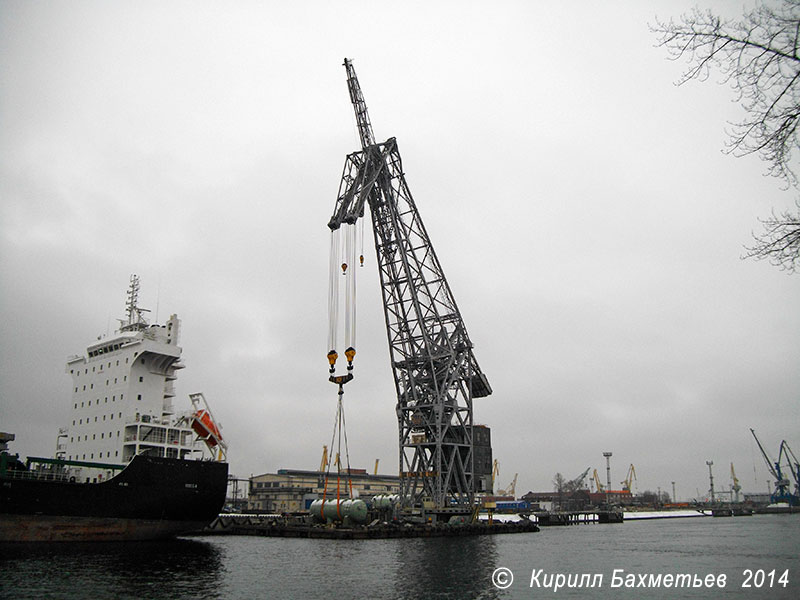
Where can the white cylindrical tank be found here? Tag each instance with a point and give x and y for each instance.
(338, 510)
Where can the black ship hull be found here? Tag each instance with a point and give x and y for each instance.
(150, 498)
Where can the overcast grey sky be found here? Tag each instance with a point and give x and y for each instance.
(587, 220)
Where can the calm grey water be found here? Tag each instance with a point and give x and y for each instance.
(451, 568)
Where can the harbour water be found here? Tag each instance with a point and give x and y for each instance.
(443, 568)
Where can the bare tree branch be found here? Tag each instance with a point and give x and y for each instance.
(779, 242)
(758, 57)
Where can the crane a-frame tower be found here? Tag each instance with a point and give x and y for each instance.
(435, 372)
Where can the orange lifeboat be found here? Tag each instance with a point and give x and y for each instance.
(205, 428)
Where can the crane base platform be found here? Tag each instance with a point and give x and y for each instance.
(281, 527)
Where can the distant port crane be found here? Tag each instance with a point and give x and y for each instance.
(435, 371)
(597, 483)
(735, 487)
(511, 489)
(782, 492)
(629, 479)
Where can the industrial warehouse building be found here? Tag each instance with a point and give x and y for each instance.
(291, 490)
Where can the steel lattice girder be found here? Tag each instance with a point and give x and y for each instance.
(436, 374)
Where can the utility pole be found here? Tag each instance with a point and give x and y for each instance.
(711, 478)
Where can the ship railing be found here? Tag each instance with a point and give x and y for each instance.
(40, 476)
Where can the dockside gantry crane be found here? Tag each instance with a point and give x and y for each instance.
(435, 371)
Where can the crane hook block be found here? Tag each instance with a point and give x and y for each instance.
(344, 268)
(350, 353)
(340, 379)
(332, 356)
(361, 258)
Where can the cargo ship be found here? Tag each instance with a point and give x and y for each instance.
(127, 466)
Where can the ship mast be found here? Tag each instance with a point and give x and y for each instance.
(135, 320)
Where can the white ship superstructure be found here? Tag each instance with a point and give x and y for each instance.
(123, 388)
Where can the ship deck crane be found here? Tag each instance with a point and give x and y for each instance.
(435, 371)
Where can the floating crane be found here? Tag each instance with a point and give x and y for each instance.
(435, 371)
(782, 491)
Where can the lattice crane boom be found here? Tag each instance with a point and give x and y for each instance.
(357, 98)
(435, 371)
